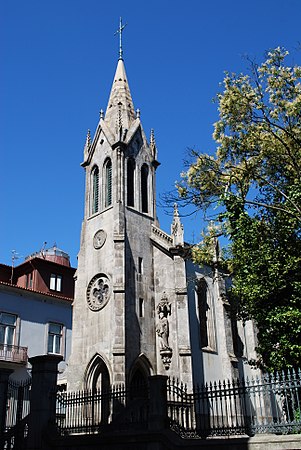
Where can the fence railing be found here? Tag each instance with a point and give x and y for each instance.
(15, 438)
(93, 411)
(15, 429)
(270, 404)
(18, 402)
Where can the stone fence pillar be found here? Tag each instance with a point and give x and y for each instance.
(4, 375)
(157, 402)
(42, 405)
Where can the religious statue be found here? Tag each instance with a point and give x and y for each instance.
(162, 330)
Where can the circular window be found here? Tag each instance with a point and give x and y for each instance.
(98, 292)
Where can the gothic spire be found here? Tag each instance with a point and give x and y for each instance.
(120, 100)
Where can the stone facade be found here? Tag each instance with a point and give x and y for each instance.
(141, 307)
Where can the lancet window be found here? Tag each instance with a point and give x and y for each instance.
(130, 182)
(108, 182)
(95, 189)
(206, 317)
(144, 188)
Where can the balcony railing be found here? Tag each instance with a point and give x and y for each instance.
(13, 353)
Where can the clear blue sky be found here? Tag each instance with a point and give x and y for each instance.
(58, 59)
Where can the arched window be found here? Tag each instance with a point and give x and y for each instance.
(144, 188)
(108, 183)
(206, 316)
(95, 189)
(130, 182)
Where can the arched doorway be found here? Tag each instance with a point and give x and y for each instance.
(138, 381)
(97, 382)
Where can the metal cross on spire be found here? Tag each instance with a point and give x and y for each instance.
(119, 31)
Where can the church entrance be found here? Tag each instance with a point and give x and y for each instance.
(98, 384)
(138, 384)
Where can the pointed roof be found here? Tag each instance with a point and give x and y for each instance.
(120, 110)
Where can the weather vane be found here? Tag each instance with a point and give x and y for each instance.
(119, 31)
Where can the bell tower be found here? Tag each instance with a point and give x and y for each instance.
(114, 336)
(141, 307)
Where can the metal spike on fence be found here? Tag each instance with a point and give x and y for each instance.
(294, 373)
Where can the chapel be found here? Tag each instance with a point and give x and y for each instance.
(141, 306)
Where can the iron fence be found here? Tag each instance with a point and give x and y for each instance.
(91, 412)
(267, 404)
(15, 430)
(15, 438)
(18, 402)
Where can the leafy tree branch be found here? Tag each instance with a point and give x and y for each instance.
(254, 183)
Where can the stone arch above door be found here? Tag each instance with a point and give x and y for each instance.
(139, 373)
(97, 375)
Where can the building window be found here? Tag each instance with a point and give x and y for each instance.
(141, 307)
(95, 190)
(8, 324)
(55, 338)
(206, 317)
(130, 182)
(29, 279)
(144, 188)
(108, 183)
(140, 265)
(56, 282)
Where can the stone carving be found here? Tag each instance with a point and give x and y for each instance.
(177, 229)
(98, 292)
(162, 330)
(99, 239)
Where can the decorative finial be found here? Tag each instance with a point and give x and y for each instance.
(215, 231)
(88, 139)
(153, 145)
(152, 139)
(101, 114)
(87, 143)
(177, 229)
(138, 113)
(119, 31)
(175, 210)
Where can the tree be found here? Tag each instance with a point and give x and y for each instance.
(254, 183)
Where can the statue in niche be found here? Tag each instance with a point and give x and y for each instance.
(162, 330)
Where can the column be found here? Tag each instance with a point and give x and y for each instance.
(43, 400)
(157, 402)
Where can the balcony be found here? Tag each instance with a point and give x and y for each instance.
(13, 353)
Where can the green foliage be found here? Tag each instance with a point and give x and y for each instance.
(255, 180)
